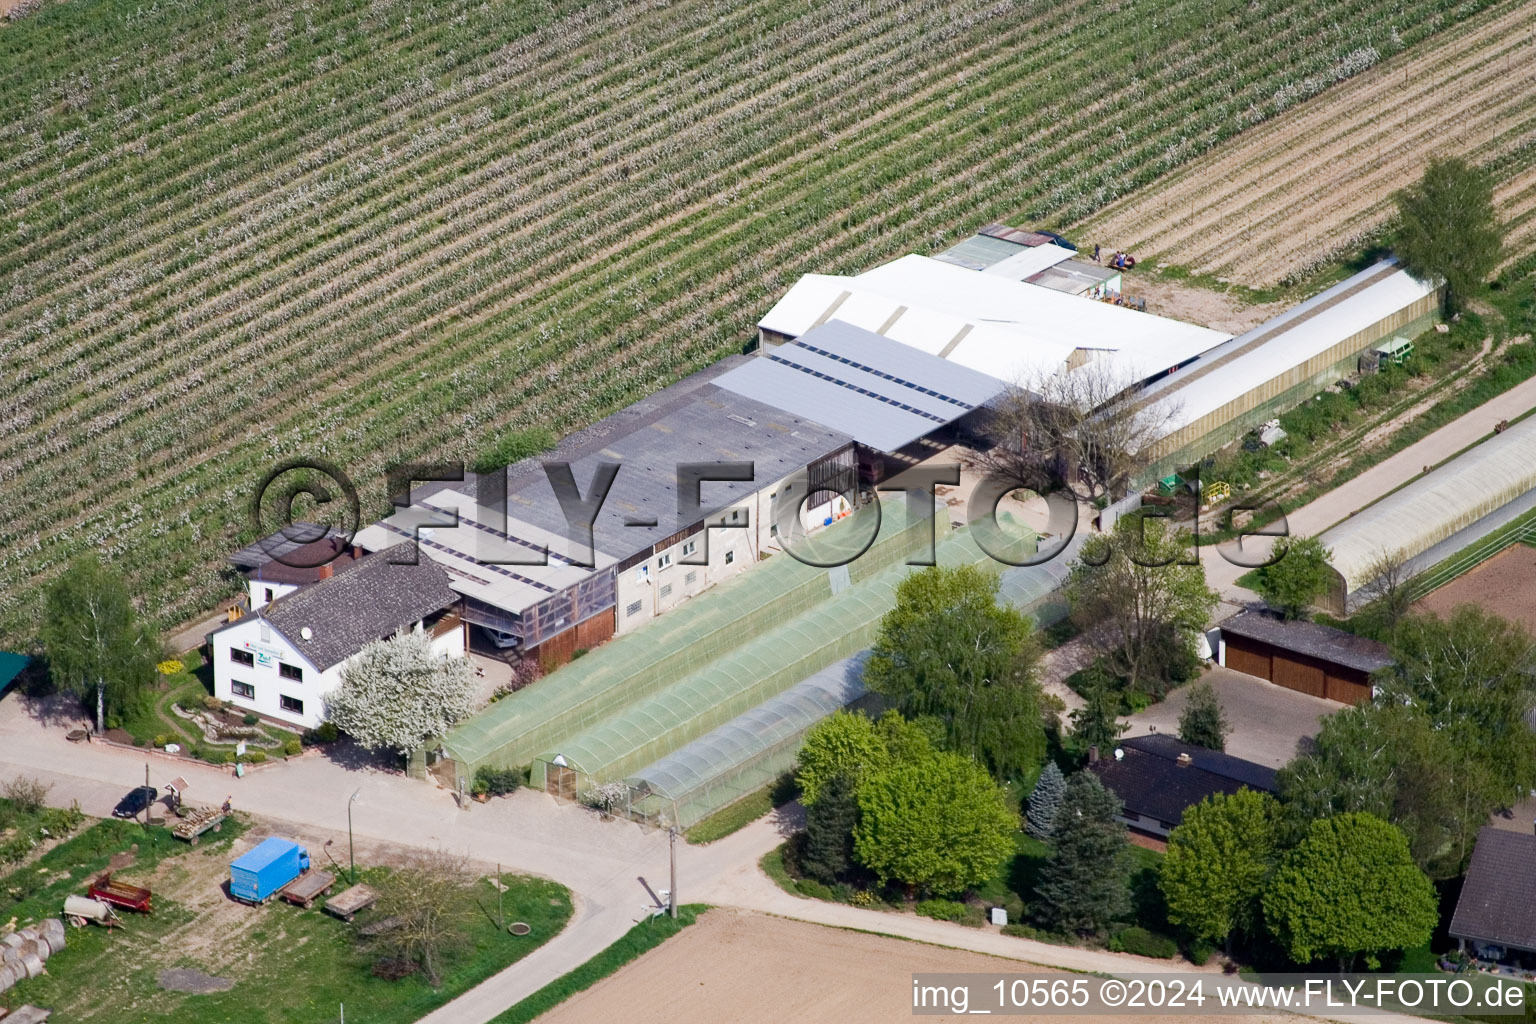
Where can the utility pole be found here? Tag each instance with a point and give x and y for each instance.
(351, 851)
(672, 849)
(149, 804)
(501, 920)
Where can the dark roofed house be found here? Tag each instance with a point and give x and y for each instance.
(281, 660)
(1156, 777)
(1305, 656)
(295, 557)
(1496, 913)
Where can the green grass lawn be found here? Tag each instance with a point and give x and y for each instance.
(743, 812)
(155, 720)
(640, 939)
(289, 965)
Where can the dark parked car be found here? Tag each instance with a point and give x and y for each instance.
(135, 802)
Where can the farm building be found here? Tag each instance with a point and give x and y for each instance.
(299, 555)
(997, 243)
(1496, 911)
(1304, 656)
(647, 552)
(633, 667)
(1079, 277)
(1434, 517)
(1282, 362)
(884, 396)
(282, 659)
(1005, 328)
(1156, 777)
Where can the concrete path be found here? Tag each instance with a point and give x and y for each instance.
(1353, 495)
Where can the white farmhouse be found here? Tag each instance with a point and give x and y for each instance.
(283, 658)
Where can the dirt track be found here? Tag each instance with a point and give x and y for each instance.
(753, 969)
(1504, 585)
(1288, 194)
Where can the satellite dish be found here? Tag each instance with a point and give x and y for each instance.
(306, 633)
(1119, 754)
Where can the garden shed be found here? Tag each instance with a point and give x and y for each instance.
(1305, 656)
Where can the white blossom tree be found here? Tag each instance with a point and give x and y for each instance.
(399, 692)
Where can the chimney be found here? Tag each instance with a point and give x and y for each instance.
(1093, 755)
(327, 571)
(1185, 760)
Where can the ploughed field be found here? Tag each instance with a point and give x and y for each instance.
(232, 234)
(1280, 200)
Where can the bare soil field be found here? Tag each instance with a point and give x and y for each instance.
(1220, 311)
(753, 969)
(1290, 194)
(1504, 585)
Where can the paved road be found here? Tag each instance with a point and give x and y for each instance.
(1381, 479)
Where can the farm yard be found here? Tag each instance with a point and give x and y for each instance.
(1252, 212)
(371, 232)
(201, 957)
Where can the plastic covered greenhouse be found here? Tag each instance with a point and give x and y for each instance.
(632, 667)
(743, 755)
(737, 681)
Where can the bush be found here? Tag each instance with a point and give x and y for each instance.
(815, 890)
(293, 747)
(138, 741)
(26, 794)
(1200, 952)
(941, 910)
(212, 703)
(1014, 908)
(255, 756)
(862, 898)
(974, 916)
(326, 732)
(1141, 942)
(497, 781)
(250, 719)
(160, 740)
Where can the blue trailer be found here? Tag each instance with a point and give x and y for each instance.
(258, 874)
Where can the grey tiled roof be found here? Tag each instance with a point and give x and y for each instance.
(1319, 641)
(368, 602)
(1498, 899)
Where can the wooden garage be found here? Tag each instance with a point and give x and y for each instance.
(1319, 660)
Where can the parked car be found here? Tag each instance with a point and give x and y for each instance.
(135, 802)
(500, 639)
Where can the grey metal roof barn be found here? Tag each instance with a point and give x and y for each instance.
(1437, 514)
(858, 383)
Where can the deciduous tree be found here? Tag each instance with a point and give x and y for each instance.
(1448, 228)
(399, 692)
(1299, 577)
(1084, 883)
(1218, 862)
(1081, 427)
(96, 644)
(1134, 590)
(949, 650)
(939, 825)
(428, 899)
(1349, 888)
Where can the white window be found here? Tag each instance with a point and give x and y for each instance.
(730, 556)
(266, 633)
(689, 547)
(664, 561)
(240, 689)
(643, 573)
(735, 515)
